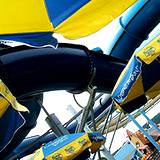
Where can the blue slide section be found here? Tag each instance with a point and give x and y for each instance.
(134, 28)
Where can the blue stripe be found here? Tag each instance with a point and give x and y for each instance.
(133, 71)
(60, 10)
(34, 39)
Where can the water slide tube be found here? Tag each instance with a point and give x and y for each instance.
(69, 67)
(134, 27)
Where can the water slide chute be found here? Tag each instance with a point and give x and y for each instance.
(134, 27)
(69, 67)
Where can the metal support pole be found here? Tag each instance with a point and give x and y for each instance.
(106, 121)
(109, 121)
(54, 123)
(93, 119)
(87, 109)
(78, 118)
(107, 154)
(78, 113)
(115, 131)
(100, 118)
(144, 132)
(149, 120)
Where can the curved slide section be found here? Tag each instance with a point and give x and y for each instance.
(69, 67)
(134, 27)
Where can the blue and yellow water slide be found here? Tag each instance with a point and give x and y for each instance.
(27, 71)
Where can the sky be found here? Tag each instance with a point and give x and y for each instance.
(58, 101)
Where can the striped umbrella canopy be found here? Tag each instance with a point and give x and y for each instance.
(35, 21)
(140, 80)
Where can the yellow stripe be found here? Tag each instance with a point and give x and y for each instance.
(7, 95)
(136, 91)
(21, 16)
(151, 51)
(92, 17)
(3, 106)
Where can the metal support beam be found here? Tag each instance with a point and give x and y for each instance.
(115, 131)
(77, 118)
(87, 109)
(144, 132)
(149, 120)
(107, 154)
(106, 121)
(54, 123)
